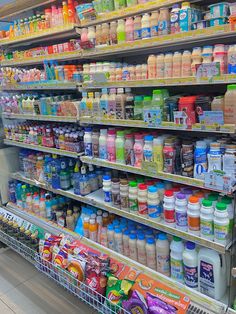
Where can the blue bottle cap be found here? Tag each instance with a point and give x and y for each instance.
(162, 236)
(152, 189)
(190, 245)
(133, 236)
(141, 236)
(151, 241)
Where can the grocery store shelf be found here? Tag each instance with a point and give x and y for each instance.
(96, 199)
(171, 41)
(43, 149)
(147, 172)
(164, 82)
(227, 128)
(57, 33)
(38, 117)
(129, 11)
(71, 55)
(195, 297)
(40, 86)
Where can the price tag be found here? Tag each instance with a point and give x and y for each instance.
(219, 180)
(150, 168)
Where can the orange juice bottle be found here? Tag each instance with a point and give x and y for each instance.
(105, 219)
(86, 227)
(93, 229)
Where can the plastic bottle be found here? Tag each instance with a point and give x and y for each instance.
(169, 208)
(186, 64)
(129, 29)
(92, 35)
(206, 220)
(174, 19)
(120, 104)
(70, 222)
(151, 253)
(85, 187)
(126, 235)
(133, 196)
(103, 144)
(88, 142)
(107, 189)
(104, 103)
(160, 66)
(65, 13)
(118, 241)
(163, 254)
(229, 104)
(113, 33)
(231, 59)
(105, 34)
(181, 212)
(93, 229)
(185, 17)
(129, 149)
(196, 59)
(137, 28)
(168, 65)
(121, 35)
(190, 260)
(164, 22)
(214, 157)
(71, 12)
(176, 259)
(55, 170)
(119, 4)
(151, 66)
(154, 204)
(124, 195)
(111, 146)
(200, 160)
(148, 148)
(133, 252)
(177, 64)
(138, 150)
(193, 215)
(145, 26)
(110, 236)
(154, 23)
(158, 153)
(112, 104)
(142, 200)
(211, 273)
(221, 224)
(120, 151)
(141, 249)
(229, 203)
(115, 191)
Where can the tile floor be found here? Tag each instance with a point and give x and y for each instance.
(23, 290)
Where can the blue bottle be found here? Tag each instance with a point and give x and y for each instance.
(76, 180)
(55, 170)
(47, 170)
(85, 188)
(93, 179)
(12, 191)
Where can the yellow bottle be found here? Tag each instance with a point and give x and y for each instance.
(65, 13)
(158, 153)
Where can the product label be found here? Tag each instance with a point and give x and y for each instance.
(111, 109)
(107, 197)
(104, 108)
(103, 152)
(137, 34)
(163, 263)
(206, 228)
(163, 27)
(133, 204)
(221, 232)
(206, 279)
(194, 223)
(191, 276)
(169, 215)
(116, 198)
(88, 149)
(142, 208)
(147, 155)
(124, 202)
(129, 156)
(154, 211)
(154, 31)
(146, 32)
(181, 219)
(177, 270)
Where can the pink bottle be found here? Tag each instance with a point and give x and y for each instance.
(84, 35)
(111, 145)
(138, 150)
(129, 29)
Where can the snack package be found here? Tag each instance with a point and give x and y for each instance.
(136, 304)
(117, 291)
(157, 306)
(61, 258)
(97, 268)
(76, 269)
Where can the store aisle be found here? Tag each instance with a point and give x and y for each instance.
(23, 290)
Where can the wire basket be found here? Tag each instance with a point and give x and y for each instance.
(63, 277)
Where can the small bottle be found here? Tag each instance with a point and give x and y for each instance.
(142, 200)
(133, 252)
(120, 151)
(126, 235)
(169, 207)
(124, 195)
(110, 237)
(193, 215)
(176, 259)
(141, 249)
(221, 224)
(148, 148)
(152, 63)
(137, 28)
(206, 220)
(151, 253)
(163, 254)
(93, 229)
(153, 204)
(186, 64)
(118, 241)
(133, 196)
(103, 144)
(107, 189)
(181, 212)
(88, 142)
(129, 29)
(190, 261)
(145, 26)
(121, 35)
(177, 64)
(154, 23)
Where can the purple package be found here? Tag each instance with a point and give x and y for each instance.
(136, 304)
(157, 306)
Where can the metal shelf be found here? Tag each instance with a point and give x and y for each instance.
(41, 86)
(227, 128)
(65, 56)
(196, 297)
(43, 149)
(129, 11)
(171, 41)
(57, 33)
(161, 175)
(38, 117)
(96, 199)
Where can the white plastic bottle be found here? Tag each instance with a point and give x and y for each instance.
(88, 142)
(190, 260)
(163, 254)
(177, 64)
(168, 65)
(110, 237)
(221, 224)
(154, 204)
(181, 212)
(214, 157)
(141, 249)
(133, 252)
(186, 64)
(107, 189)
(176, 259)
(169, 208)
(145, 26)
(211, 273)
(230, 208)
(126, 242)
(133, 196)
(103, 144)
(206, 220)
(193, 215)
(160, 66)
(118, 241)
(151, 253)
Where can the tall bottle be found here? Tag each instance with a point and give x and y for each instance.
(103, 144)
(176, 259)
(121, 35)
(120, 150)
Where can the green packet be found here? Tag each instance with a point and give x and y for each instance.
(117, 291)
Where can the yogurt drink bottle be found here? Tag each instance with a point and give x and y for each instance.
(163, 254)
(190, 261)
(206, 220)
(177, 64)
(145, 26)
(176, 259)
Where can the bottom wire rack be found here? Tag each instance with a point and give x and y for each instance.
(70, 283)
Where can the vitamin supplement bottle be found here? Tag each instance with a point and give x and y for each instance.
(190, 260)
(163, 254)
(176, 259)
(206, 220)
